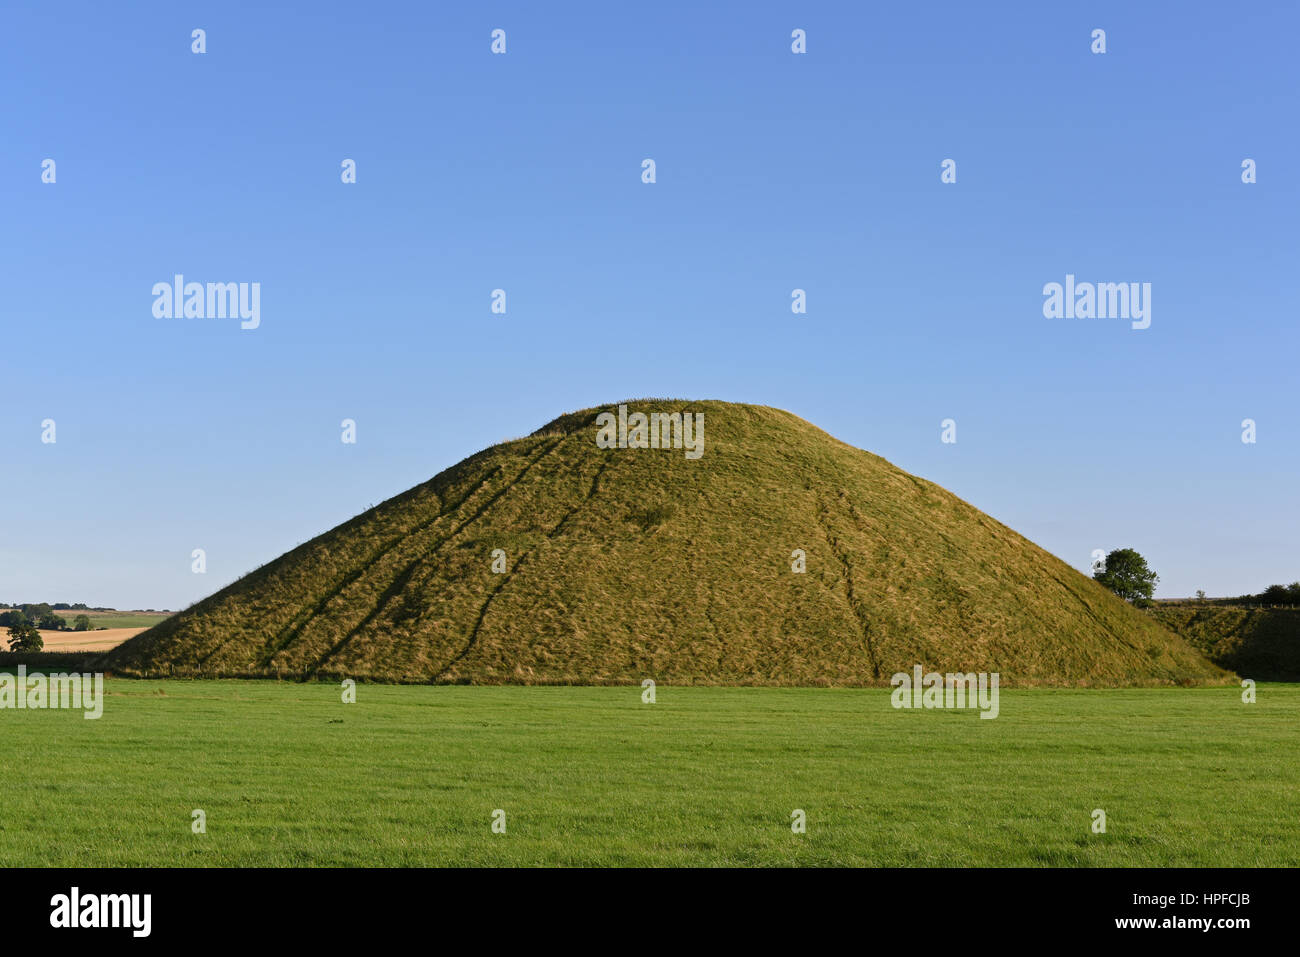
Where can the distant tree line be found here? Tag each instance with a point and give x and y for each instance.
(79, 606)
(1286, 596)
(25, 623)
(57, 606)
(1273, 595)
(44, 617)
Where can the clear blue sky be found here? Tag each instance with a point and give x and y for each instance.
(523, 172)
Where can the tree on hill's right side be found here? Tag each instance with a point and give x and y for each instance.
(1127, 575)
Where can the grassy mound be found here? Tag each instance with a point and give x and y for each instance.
(625, 564)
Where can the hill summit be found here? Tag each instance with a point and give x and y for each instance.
(688, 542)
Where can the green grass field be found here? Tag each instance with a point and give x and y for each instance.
(114, 619)
(117, 619)
(289, 775)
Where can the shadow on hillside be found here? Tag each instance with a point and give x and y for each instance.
(1259, 643)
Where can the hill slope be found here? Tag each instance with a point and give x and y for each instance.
(624, 564)
(1255, 642)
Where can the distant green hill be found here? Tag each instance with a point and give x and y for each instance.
(1259, 643)
(625, 564)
